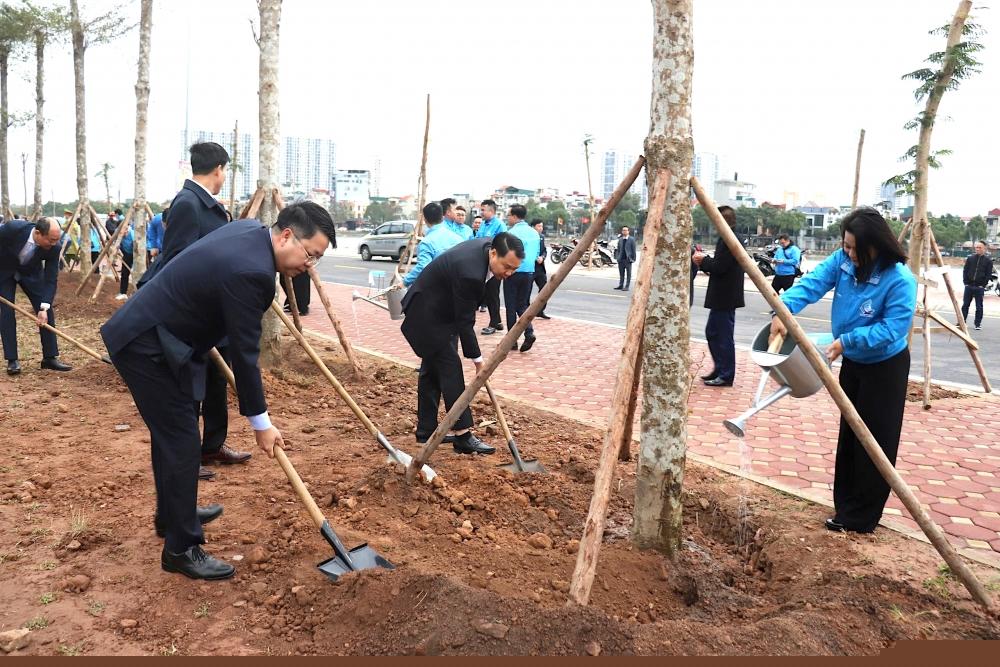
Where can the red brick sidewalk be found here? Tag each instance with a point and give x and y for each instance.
(947, 455)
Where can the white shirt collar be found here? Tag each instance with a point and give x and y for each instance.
(203, 188)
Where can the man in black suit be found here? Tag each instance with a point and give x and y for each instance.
(625, 256)
(541, 277)
(194, 214)
(29, 257)
(440, 310)
(159, 340)
(724, 296)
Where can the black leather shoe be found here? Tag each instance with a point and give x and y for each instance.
(13, 367)
(836, 526)
(53, 364)
(422, 439)
(472, 445)
(528, 342)
(619, 287)
(487, 331)
(543, 316)
(205, 474)
(196, 564)
(514, 347)
(226, 454)
(205, 515)
(710, 376)
(719, 382)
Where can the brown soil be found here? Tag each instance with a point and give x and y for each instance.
(915, 392)
(79, 558)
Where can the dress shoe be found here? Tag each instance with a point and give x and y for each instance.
(226, 455)
(543, 316)
(205, 515)
(304, 312)
(470, 444)
(710, 376)
(196, 564)
(205, 474)
(528, 342)
(482, 309)
(514, 347)
(422, 439)
(834, 525)
(488, 331)
(619, 287)
(13, 367)
(53, 364)
(719, 382)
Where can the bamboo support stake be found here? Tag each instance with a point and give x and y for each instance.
(115, 246)
(926, 250)
(253, 206)
(628, 369)
(536, 306)
(68, 229)
(293, 304)
(906, 229)
(625, 449)
(857, 171)
(28, 314)
(107, 251)
(328, 307)
(407, 256)
(850, 414)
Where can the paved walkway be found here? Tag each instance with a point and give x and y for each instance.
(949, 455)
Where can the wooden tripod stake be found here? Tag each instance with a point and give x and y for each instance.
(847, 409)
(536, 306)
(407, 257)
(335, 321)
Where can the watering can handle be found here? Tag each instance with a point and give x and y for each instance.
(775, 346)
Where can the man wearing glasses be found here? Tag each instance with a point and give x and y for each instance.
(194, 214)
(159, 340)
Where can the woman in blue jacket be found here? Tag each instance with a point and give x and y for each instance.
(874, 299)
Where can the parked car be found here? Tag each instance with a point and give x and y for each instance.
(387, 240)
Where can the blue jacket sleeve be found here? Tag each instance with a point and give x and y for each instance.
(796, 256)
(900, 304)
(424, 257)
(814, 284)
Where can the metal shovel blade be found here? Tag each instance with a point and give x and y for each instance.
(361, 557)
(520, 465)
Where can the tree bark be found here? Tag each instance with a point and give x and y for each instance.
(924, 144)
(270, 129)
(40, 38)
(4, 121)
(141, 108)
(79, 50)
(857, 171)
(670, 146)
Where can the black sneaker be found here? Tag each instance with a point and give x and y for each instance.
(196, 564)
(487, 331)
(470, 444)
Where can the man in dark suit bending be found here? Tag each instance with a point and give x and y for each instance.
(218, 288)
(29, 257)
(440, 310)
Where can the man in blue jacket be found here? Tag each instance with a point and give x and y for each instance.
(450, 213)
(787, 258)
(437, 239)
(154, 235)
(517, 287)
(29, 257)
(491, 225)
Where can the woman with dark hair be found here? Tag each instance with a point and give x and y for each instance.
(874, 298)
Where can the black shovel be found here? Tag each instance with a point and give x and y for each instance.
(519, 465)
(359, 558)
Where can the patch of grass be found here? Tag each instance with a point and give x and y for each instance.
(173, 650)
(945, 571)
(78, 524)
(96, 608)
(993, 585)
(12, 555)
(4, 469)
(202, 610)
(40, 532)
(37, 623)
(48, 565)
(47, 598)
(897, 613)
(938, 585)
(75, 649)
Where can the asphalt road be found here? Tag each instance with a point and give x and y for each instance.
(588, 295)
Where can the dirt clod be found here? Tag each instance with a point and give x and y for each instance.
(495, 630)
(593, 648)
(127, 623)
(14, 640)
(540, 541)
(76, 584)
(121, 428)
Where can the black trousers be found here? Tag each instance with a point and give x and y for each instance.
(779, 283)
(214, 410)
(93, 260)
(127, 259)
(491, 299)
(972, 292)
(440, 376)
(8, 320)
(302, 287)
(878, 391)
(624, 274)
(174, 440)
(719, 332)
(541, 278)
(516, 296)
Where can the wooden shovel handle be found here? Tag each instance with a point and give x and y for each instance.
(500, 417)
(775, 346)
(314, 512)
(29, 314)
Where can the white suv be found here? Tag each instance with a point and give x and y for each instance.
(388, 240)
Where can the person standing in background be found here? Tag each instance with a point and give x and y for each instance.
(541, 277)
(625, 254)
(787, 258)
(492, 225)
(976, 275)
(517, 287)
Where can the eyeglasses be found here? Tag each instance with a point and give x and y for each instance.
(311, 260)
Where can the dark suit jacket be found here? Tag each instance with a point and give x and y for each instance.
(625, 251)
(542, 252)
(442, 302)
(194, 214)
(41, 273)
(725, 282)
(220, 288)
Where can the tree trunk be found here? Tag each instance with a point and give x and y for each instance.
(924, 144)
(270, 129)
(40, 37)
(4, 121)
(663, 440)
(79, 49)
(857, 171)
(141, 106)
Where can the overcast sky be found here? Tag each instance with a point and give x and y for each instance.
(782, 88)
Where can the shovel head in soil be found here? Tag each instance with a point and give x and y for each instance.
(520, 465)
(361, 557)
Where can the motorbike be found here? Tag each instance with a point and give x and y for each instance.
(993, 285)
(558, 252)
(764, 262)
